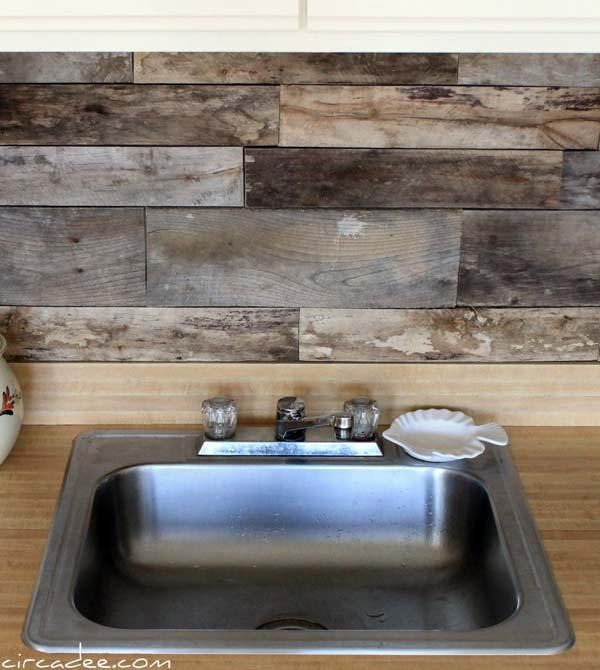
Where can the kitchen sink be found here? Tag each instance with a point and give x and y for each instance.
(154, 548)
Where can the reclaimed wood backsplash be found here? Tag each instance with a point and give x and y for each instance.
(316, 207)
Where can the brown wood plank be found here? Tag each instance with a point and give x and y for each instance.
(148, 334)
(530, 259)
(130, 114)
(295, 68)
(530, 69)
(294, 257)
(62, 256)
(501, 335)
(105, 176)
(65, 67)
(581, 180)
(402, 178)
(440, 117)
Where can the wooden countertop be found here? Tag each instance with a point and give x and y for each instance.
(560, 469)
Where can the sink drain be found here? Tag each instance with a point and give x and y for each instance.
(290, 624)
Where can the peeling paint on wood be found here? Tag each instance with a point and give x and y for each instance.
(450, 335)
(147, 334)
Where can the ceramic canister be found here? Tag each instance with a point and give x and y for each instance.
(11, 406)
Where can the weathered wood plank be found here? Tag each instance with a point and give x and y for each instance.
(295, 68)
(61, 256)
(147, 334)
(296, 257)
(402, 178)
(530, 259)
(65, 67)
(130, 114)
(530, 69)
(440, 117)
(104, 176)
(501, 335)
(581, 180)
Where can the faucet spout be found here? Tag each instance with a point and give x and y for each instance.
(291, 423)
(340, 421)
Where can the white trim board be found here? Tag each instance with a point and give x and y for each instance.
(302, 25)
(176, 39)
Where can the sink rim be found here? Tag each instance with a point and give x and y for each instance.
(98, 455)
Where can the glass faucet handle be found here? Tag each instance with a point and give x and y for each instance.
(219, 417)
(365, 415)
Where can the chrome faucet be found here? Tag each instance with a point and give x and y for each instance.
(291, 423)
(357, 422)
(354, 427)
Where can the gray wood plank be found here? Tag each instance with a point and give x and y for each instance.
(485, 335)
(113, 176)
(65, 67)
(530, 69)
(61, 256)
(440, 117)
(297, 68)
(402, 178)
(581, 180)
(148, 334)
(530, 259)
(130, 114)
(293, 257)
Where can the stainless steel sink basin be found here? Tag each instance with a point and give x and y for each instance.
(155, 548)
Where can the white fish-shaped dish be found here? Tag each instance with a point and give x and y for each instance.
(438, 435)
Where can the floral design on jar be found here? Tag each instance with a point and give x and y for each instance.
(9, 400)
(11, 406)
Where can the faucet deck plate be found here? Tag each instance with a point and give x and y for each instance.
(260, 442)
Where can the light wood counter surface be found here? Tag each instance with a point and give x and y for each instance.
(559, 467)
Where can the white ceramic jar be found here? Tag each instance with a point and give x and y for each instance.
(11, 406)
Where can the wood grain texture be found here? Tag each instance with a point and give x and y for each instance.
(295, 68)
(530, 259)
(130, 114)
(105, 176)
(581, 180)
(401, 178)
(146, 334)
(72, 256)
(542, 394)
(302, 257)
(565, 69)
(557, 468)
(450, 335)
(66, 67)
(440, 117)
